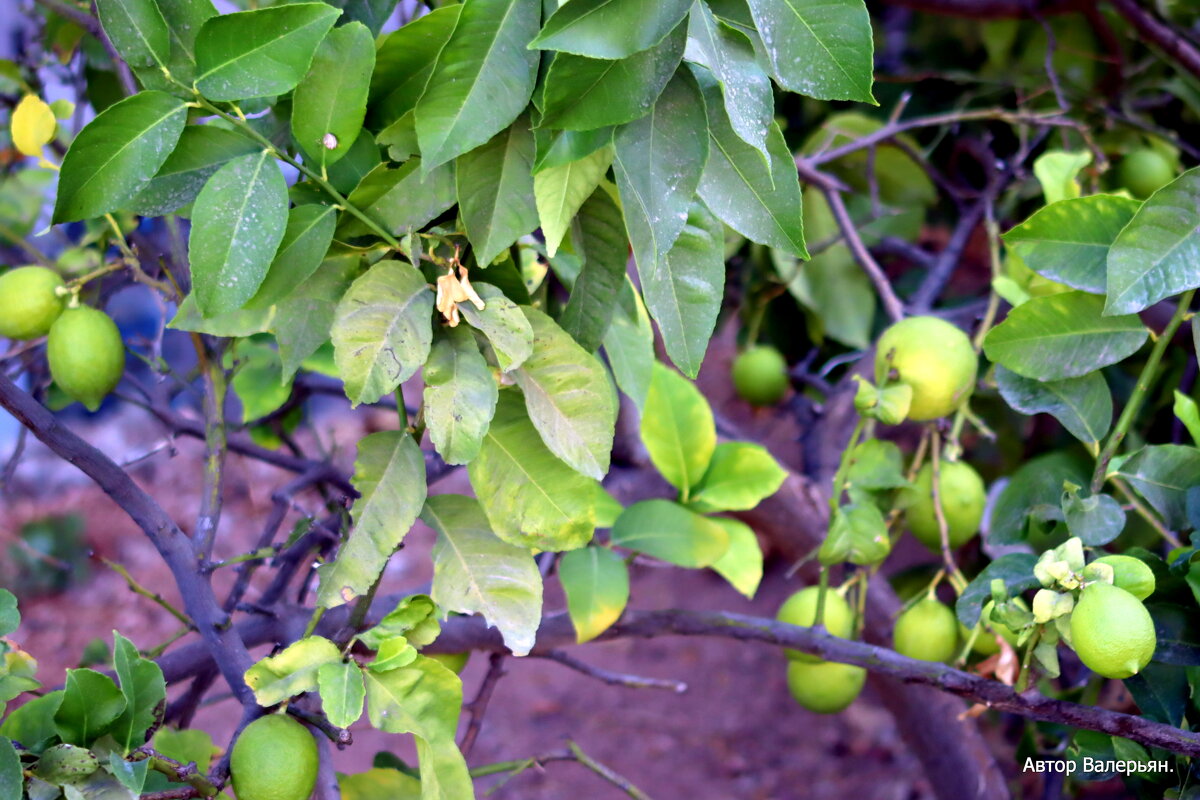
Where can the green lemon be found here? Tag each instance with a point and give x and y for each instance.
(1131, 574)
(927, 631)
(452, 661)
(801, 609)
(826, 687)
(1143, 172)
(28, 302)
(934, 358)
(985, 642)
(86, 355)
(275, 758)
(963, 497)
(1112, 631)
(760, 376)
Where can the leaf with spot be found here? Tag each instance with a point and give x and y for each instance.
(423, 698)
(460, 395)
(305, 316)
(504, 325)
(201, 151)
(331, 100)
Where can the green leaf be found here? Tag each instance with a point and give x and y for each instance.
(816, 48)
(293, 671)
(1186, 412)
(10, 617)
(201, 151)
(610, 29)
(380, 783)
(742, 564)
(114, 157)
(474, 572)
(876, 464)
(237, 224)
(561, 191)
(739, 477)
(1033, 495)
(243, 322)
(678, 428)
(504, 325)
(1069, 241)
(131, 774)
(530, 497)
(1063, 336)
(568, 396)
(858, 534)
(258, 380)
(32, 724)
(137, 30)
(1158, 253)
(598, 236)
(400, 200)
(1083, 405)
(483, 79)
(658, 161)
(423, 698)
(583, 94)
(331, 101)
(305, 316)
(1096, 519)
(444, 773)
(495, 191)
(683, 290)
(389, 475)
(90, 704)
(305, 241)
(184, 20)
(1161, 692)
(669, 532)
(404, 60)
(374, 14)
(460, 395)
(414, 618)
(1056, 171)
(729, 55)
(393, 653)
(554, 148)
(382, 330)
(342, 692)
(259, 53)
(1014, 569)
(1163, 474)
(629, 346)
(596, 582)
(12, 780)
(144, 690)
(757, 197)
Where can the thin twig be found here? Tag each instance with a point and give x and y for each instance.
(610, 677)
(478, 707)
(883, 286)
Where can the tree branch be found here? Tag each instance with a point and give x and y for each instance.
(1159, 34)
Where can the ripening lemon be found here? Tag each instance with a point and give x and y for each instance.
(1131, 574)
(760, 376)
(86, 355)
(934, 358)
(1143, 172)
(963, 497)
(29, 304)
(928, 631)
(801, 609)
(826, 687)
(275, 758)
(1112, 631)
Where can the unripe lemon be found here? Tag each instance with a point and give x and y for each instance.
(28, 302)
(985, 641)
(1112, 631)
(760, 376)
(1143, 172)
(1131, 574)
(452, 661)
(963, 497)
(928, 631)
(86, 355)
(801, 609)
(934, 358)
(826, 687)
(275, 758)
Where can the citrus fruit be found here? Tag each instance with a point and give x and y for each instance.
(985, 641)
(801, 609)
(86, 355)
(1131, 574)
(963, 497)
(275, 758)
(928, 631)
(451, 661)
(934, 358)
(1143, 172)
(760, 376)
(28, 302)
(826, 687)
(1111, 631)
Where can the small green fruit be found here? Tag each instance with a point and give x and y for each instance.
(963, 497)
(1112, 631)
(275, 758)
(29, 304)
(1131, 574)
(927, 631)
(826, 687)
(760, 376)
(1143, 172)
(452, 661)
(934, 358)
(801, 609)
(86, 355)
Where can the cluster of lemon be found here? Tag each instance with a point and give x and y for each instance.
(84, 348)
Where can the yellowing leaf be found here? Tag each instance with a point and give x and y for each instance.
(33, 125)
